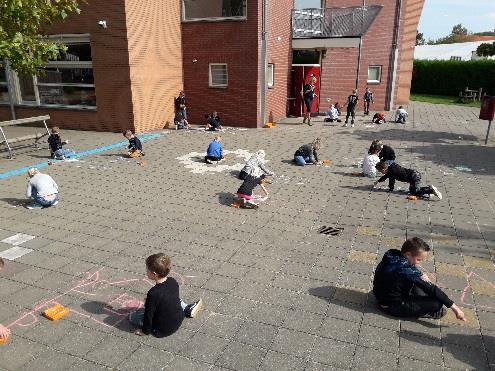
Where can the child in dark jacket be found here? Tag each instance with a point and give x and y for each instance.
(56, 145)
(413, 177)
(245, 191)
(307, 154)
(387, 154)
(163, 310)
(135, 147)
(402, 290)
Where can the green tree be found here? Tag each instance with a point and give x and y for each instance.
(420, 39)
(457, 35)
(486, 49)
(459, 29)
(23, 23)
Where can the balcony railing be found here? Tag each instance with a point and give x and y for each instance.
(333, 22)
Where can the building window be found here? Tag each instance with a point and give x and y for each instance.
(374, 74)
(4, 89)
(270, 75)
(455, 58)
(65, 82)
(200, 10)
(218, 75)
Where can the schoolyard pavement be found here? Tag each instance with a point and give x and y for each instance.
(278, 295)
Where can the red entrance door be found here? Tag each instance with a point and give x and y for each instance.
(300, 76)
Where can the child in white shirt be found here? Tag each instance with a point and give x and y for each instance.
(400, 115)
(370, 160)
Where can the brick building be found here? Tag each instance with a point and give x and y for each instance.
(127, 73)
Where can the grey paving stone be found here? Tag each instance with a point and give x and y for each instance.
(238, 356)
(340, 356)
(281, 362)
(203, 348)
(373, 359)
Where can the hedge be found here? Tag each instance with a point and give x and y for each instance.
(450, 77)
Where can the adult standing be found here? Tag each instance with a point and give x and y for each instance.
(180, 103)
(42, 189)
(308, 96)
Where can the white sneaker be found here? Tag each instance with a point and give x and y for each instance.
(345, 125)
(352, 125)
(55, 203)
(436, 192)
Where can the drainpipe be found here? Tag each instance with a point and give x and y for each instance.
(360, 46)
(393, 58)
(264, 61)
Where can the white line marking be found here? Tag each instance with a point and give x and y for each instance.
(18, 239)
(14, 252)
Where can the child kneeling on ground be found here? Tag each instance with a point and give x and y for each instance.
(245, 191)
(163, 310)
(402, 290)
(135, 147)
(378, 118)
(307, 154)
(413, 177)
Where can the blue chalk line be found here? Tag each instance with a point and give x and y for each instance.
(90, 152)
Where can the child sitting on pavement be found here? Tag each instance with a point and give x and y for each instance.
(4, 331)
(245, 191)
(400, 115)
(56, 144)
(163, 310)
(135, 147)
(387, 154)
(413, 177)
(332, 115)
(213, 122)
(307, 154)
(42, 189)
(255, 166)
(402, 290)
(370, 160)
(214, 151)
(181, 122)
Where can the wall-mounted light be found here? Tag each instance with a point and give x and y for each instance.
(102, 24)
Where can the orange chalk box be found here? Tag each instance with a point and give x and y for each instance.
(4, 341)
(56, 312)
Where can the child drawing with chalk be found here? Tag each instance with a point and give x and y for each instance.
(4, 331)
(135, 146)
(307, 154)
(163, 310)
(245, 192)
(403, 290)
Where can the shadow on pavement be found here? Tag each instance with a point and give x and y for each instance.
(116, 318)
(458, 345)
(23, 202)
(225, 198)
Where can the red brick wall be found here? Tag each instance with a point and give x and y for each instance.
(339, 66)
(155, 57)
(280, 54)
(110, 69)
(231, 42)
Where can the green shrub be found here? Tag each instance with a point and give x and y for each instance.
(451, 77)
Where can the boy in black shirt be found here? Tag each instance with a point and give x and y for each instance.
(368, 99)
(351, 107)
(387, 154)
(411, 176)
(135, 147)
(56, 144)
(402, 290)
(163, 311)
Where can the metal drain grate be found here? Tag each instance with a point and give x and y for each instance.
(330, 231)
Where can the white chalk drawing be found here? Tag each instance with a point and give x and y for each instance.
(195, 161)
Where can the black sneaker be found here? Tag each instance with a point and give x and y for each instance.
(193, 310)
(437, 315)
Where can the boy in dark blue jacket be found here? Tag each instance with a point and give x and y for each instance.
(135, 147)
(214, 151)
(402, 290)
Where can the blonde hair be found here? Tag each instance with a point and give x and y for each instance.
(55, 130)
(32, 171)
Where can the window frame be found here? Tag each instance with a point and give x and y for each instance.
(5, 83)
(213, 19)
(67, 39)
(210, 76)
(272, 75)
(380, 69)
